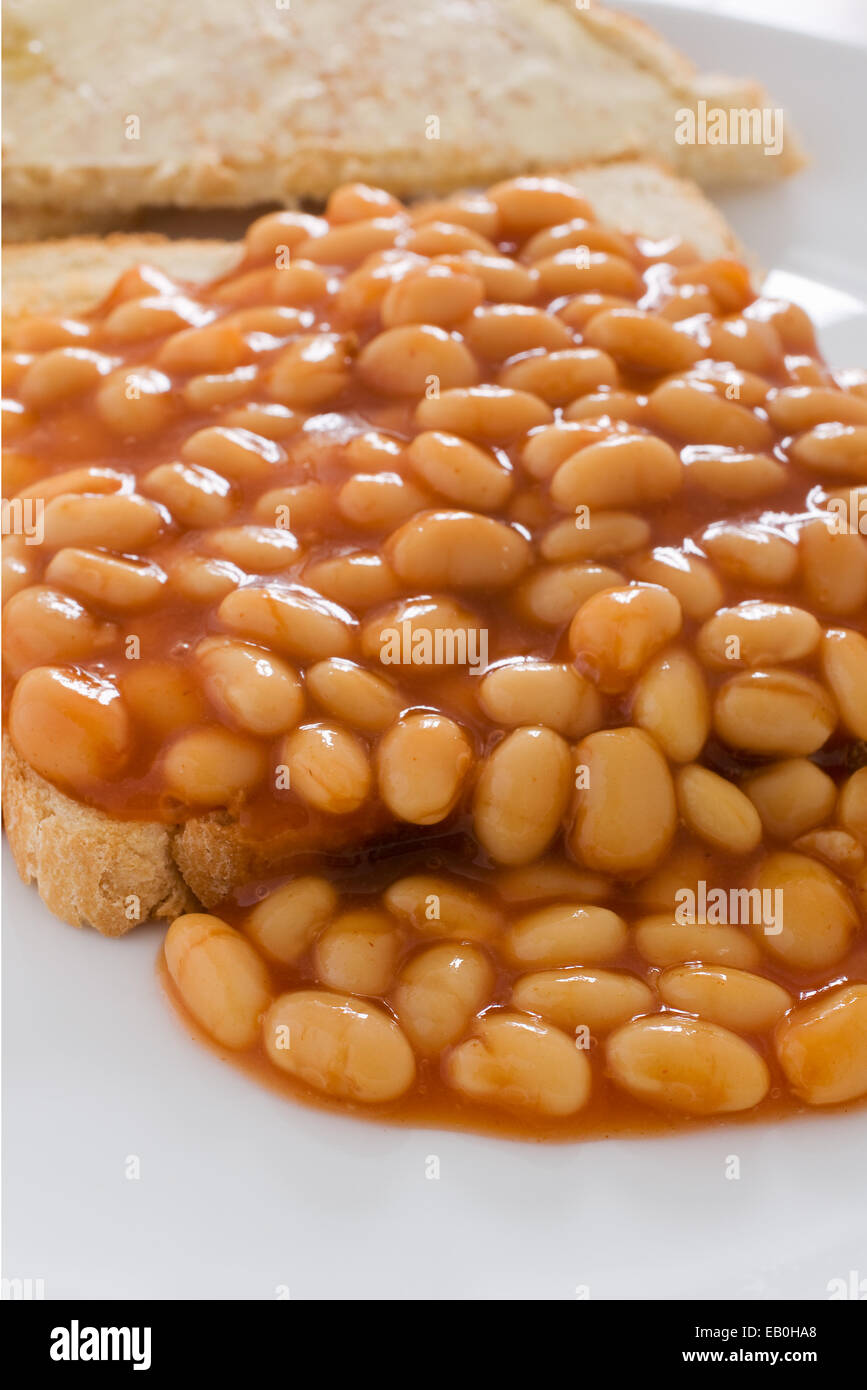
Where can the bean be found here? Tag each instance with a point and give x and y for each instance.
(736, 999)
(521, 795)
(421, 765)
(439, 991)
(818, 916)
(625, 814)
(822, 1047)
(662, 940)
(347, 1048)
(687, 1065)
(438, 906)
(774, 712)
(328, 768)
(791, 797)
(565, 934)
(462, 550)
(717, 811)
(625, 470)
(671, 703)
(596, 999)
(222, 981)
(284, 924)
(515, 1061)
(358, 951)
(844, 662)
(616, 632)
(525, 691)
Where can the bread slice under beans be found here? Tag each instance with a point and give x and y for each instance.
(93, 868)
(124, 105)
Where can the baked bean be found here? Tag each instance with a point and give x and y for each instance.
(355, 202)
(18, 566)
(844, 663)
(354, 695)
(551, 445)
(162, 697)
(513, 1060)
(362, 294)
(360, 580)
(311, 371)
(347, 1048)
(732, 474)
(736, 999)
(691, 579)
(837, 450)
(818, 918)
(267, 419)
(208, 391)
(751, 553)
(620, 408)
(446, 238)
(796, 408)
(695, 413)
(579, 309)
(499, 331)
(421, 764)
(43, 625)
(616, 632)
(328, 768)
(642, 341)
(201, 580)
(688, 1065)
(432, 294)
(74, 480)
(62, 374)
(279, 322)
(284, 924)
(349, 244)
(671, 703)
(461, 471)
(577, 232)
(439, 906)
(237, 454)
(17, 419)
(834, 567)
(752, 346)
(621, 471)
(222, 981)
(278, 229)
(88, 519)
(106, 580)
(791, 797)
(757, 634)
(601, 536)
(852, 806)
(558, 377)
(152, 316)
(439, 992)
(379, 501)
(663, 940)
(527, 204)
(213, 766)
(837, 848)
(308, 506)
(416, 633)
(566, 934)
(717, 811)
(256, 549)
(256, 690)
(218, 347)
(526, 691)
(624, 812)
(295, 620)
(71, 727)
(491, 414)
(521, 795)
(38, 333)
(552, 594)
(194, 495)
(504, 281)
(595, 999)
(822, 1046)
(549, 878)
(358, 951)
(401, 361)
(773, 713)
(461, 549)
(577, 271)
(472, 210)
(135, 402)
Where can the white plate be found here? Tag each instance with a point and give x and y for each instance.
(243, 1195)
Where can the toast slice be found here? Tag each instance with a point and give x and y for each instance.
(93, 868)
(221, 104)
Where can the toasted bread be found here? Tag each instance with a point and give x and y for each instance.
(226, 105)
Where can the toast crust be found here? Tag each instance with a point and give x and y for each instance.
(520, 87)
(94, 868)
